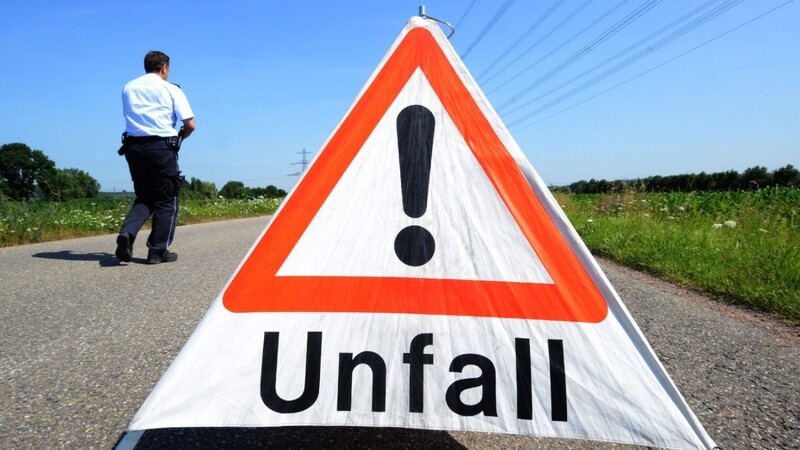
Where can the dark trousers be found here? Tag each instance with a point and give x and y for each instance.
(154, 170)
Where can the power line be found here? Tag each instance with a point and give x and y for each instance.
(563, 44)
(499, 13)
(466, 13)
(657, 66)
(627, 20)
(642, 53)
(527, 32)
(547, 35)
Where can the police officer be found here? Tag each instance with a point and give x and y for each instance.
(153, 109)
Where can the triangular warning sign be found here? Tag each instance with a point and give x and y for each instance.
(525, 269)
(421, 275)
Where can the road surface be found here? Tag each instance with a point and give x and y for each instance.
(83, 340)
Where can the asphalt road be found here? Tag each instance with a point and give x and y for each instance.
(84, 339)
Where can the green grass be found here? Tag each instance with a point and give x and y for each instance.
(740, 246)
(36, 221)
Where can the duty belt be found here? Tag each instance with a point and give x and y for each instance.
(139, 139)
(173, 142)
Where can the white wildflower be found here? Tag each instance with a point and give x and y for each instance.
(730, 223)
(716, 225)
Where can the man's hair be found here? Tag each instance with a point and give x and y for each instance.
(154, 61)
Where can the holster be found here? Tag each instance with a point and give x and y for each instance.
(179, 180)
(123, 149)
(174, 143)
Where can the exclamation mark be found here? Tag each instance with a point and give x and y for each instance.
(414, 245)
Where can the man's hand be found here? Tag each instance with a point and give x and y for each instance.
(188, 127)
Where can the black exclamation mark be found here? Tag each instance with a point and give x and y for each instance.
(414, 245)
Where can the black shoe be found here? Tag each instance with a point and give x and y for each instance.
(124, 247)
(167, 257)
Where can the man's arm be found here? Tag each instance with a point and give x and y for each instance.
(188, 127)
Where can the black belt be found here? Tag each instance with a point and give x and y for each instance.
(129, 140)
(144, 139)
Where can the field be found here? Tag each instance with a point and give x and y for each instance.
(22, 223)
(741, 246)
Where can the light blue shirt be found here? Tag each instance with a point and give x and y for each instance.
(154, 107)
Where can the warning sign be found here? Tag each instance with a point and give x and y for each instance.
(416, 184)
(421, 275)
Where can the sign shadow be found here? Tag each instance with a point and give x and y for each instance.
(297, 437)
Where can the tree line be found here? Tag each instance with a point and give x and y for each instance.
(27, 174)
(196, 189)
(753, 178)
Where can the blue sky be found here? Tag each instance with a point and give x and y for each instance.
(267, 79)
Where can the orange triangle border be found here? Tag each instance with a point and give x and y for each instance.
(573, 296)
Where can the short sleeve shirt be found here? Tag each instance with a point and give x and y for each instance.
(154, 107)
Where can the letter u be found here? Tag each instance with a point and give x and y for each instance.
(269, 374)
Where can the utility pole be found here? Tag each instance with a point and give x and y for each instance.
(303, 161)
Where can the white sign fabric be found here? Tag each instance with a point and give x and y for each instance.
(216, 380)
(477, 239)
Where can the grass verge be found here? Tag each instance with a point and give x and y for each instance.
(28, 222)
(740, 246)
